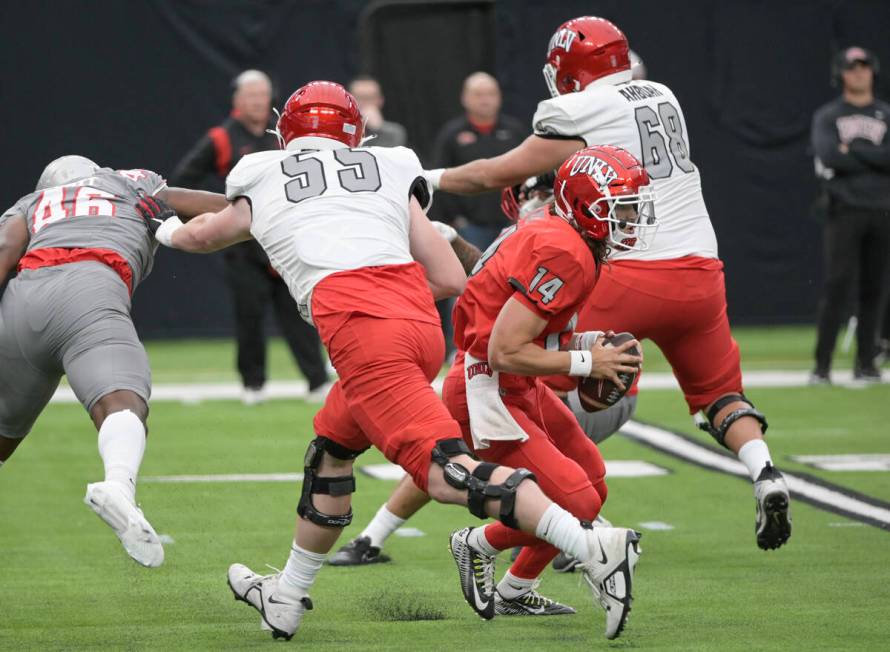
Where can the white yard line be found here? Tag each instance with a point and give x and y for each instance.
(821, 494)
(290, 389)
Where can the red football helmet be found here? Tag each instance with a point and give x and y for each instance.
(581, 51)
(606, 192)
(534, 192)
(322, 109)
(510, 202)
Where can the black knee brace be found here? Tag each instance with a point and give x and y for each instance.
(719, 432)
(476, 483)
(333, 486)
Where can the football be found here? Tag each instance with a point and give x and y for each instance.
(599, 393)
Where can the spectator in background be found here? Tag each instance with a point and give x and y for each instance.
(367, 93)
(253, 282)
(852, 150)
(482, 132)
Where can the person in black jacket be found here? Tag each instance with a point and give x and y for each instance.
(253, 282)
(482, 132)
(852, 150)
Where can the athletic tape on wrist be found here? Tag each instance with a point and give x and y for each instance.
(582, 363)
(165, 232)
(434, 177)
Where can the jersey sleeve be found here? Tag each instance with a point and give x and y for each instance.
(153, 182)
(19, 208)
(242, 178)
(553, 120)
(549, 280)
(145, 181)
(410, 169)
(591, 116)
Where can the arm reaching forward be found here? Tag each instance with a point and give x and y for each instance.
(191, 203)
(444, 273)
(209, 231)
(512, 349)
(534, 156)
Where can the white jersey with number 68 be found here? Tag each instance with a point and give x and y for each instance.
(317, 212)
(645, 118)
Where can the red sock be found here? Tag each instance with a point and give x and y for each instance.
(502, 537)
(533, 560)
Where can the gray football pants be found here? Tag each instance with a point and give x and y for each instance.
(70, 319)
(601, 425)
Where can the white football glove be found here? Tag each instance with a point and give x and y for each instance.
(445, 230)
(164, 234)
(585, 340)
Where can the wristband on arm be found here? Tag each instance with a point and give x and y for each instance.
(581, 364)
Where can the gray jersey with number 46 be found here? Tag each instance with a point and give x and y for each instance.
(95, 212)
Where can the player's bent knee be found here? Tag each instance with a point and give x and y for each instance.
(718, 430)
(477, 483)
(118, 401)
(584, 504)
(325, 455)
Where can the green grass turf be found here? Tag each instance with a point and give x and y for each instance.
(65, 583)
(780, 347)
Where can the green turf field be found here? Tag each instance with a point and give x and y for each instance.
(780, 347)
(65, 583)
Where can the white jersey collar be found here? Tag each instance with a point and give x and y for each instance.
(615, 78)
(314, 142)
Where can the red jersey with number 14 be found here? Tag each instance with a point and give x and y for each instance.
(545, 265)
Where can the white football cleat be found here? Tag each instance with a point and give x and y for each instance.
(112, 505)
(610, 571)
(280, 614)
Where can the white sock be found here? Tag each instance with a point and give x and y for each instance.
(559, 528)
(121, 445)
(300, 571)
(511, 587)
(755, 455)
(381, 526)
(479, 543)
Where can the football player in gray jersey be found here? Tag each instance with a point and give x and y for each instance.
(81, 247)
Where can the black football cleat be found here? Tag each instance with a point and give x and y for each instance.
(773, 526)
(358, 552)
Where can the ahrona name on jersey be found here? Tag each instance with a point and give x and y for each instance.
(639, 92)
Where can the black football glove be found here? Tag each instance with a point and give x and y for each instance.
(154, 211)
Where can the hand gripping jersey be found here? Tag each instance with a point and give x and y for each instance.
(91, 219)
(644, 118)
(320, 212)
(542, 263)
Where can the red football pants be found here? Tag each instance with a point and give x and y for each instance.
(383, 396)
(681, 306)
(568, 466)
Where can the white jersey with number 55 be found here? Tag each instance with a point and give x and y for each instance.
(320, 211)
(645, 118)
